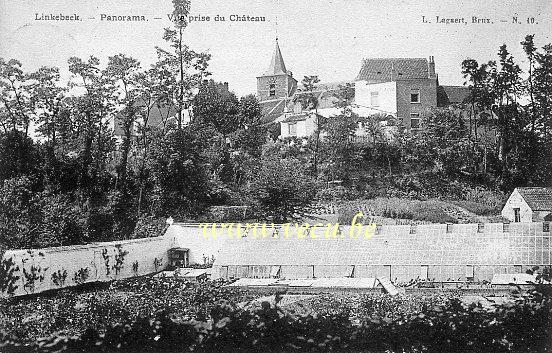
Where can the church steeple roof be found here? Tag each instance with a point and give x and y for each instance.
(277, 66)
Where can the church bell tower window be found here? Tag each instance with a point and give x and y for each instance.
(272, 89)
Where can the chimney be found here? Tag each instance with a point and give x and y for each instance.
(431, 67)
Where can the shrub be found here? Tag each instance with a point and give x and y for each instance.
(149, 226)
(222, 214)
(280, 190)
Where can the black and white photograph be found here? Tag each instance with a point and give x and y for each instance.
(353, 176)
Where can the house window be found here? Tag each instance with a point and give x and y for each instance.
(415, 96)
(272, 89)
(374, 99)
(414, 121)
(517, 217)
(292, 129)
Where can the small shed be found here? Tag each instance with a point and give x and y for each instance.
(529, 204)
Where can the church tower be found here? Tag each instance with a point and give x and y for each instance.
(276, 82)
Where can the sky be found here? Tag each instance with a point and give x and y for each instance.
(324, 38)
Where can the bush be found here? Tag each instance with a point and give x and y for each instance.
(223, 214)
(281, 191)
(149, 226)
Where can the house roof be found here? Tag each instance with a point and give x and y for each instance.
(158, 115)
(300, 117)
(392, 69)
(277, 66)
(538, 198)
(296, 117)
(325, 93)
(272, 109)
(456, 94)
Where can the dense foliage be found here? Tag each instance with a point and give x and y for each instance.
(170, 316)
(97, 306)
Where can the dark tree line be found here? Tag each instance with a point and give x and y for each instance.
(66, 178)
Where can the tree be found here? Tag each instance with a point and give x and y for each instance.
(340, 145)
(442, 145)
(17, 110)
(47, 96)
(309, 101)
(530, 50)
(91, 112)
(179, 174)
(478, 80)
(123, 72)
(20, 216)
(542, 85)
(541, 148)
(253, 134)
(214, 105)
(19, 156)
(184, 68)
(280, 190)
(47, 99)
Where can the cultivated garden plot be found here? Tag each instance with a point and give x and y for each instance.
(146, 314)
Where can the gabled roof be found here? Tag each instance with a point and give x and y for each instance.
(158, 115)
(272, 109)
(277, 66)
(456, 94)
(538, 198)
(295, 118)
(392, 69)
(325, 93)
(300, 117)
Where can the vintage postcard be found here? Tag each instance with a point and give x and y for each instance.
(275, 176)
